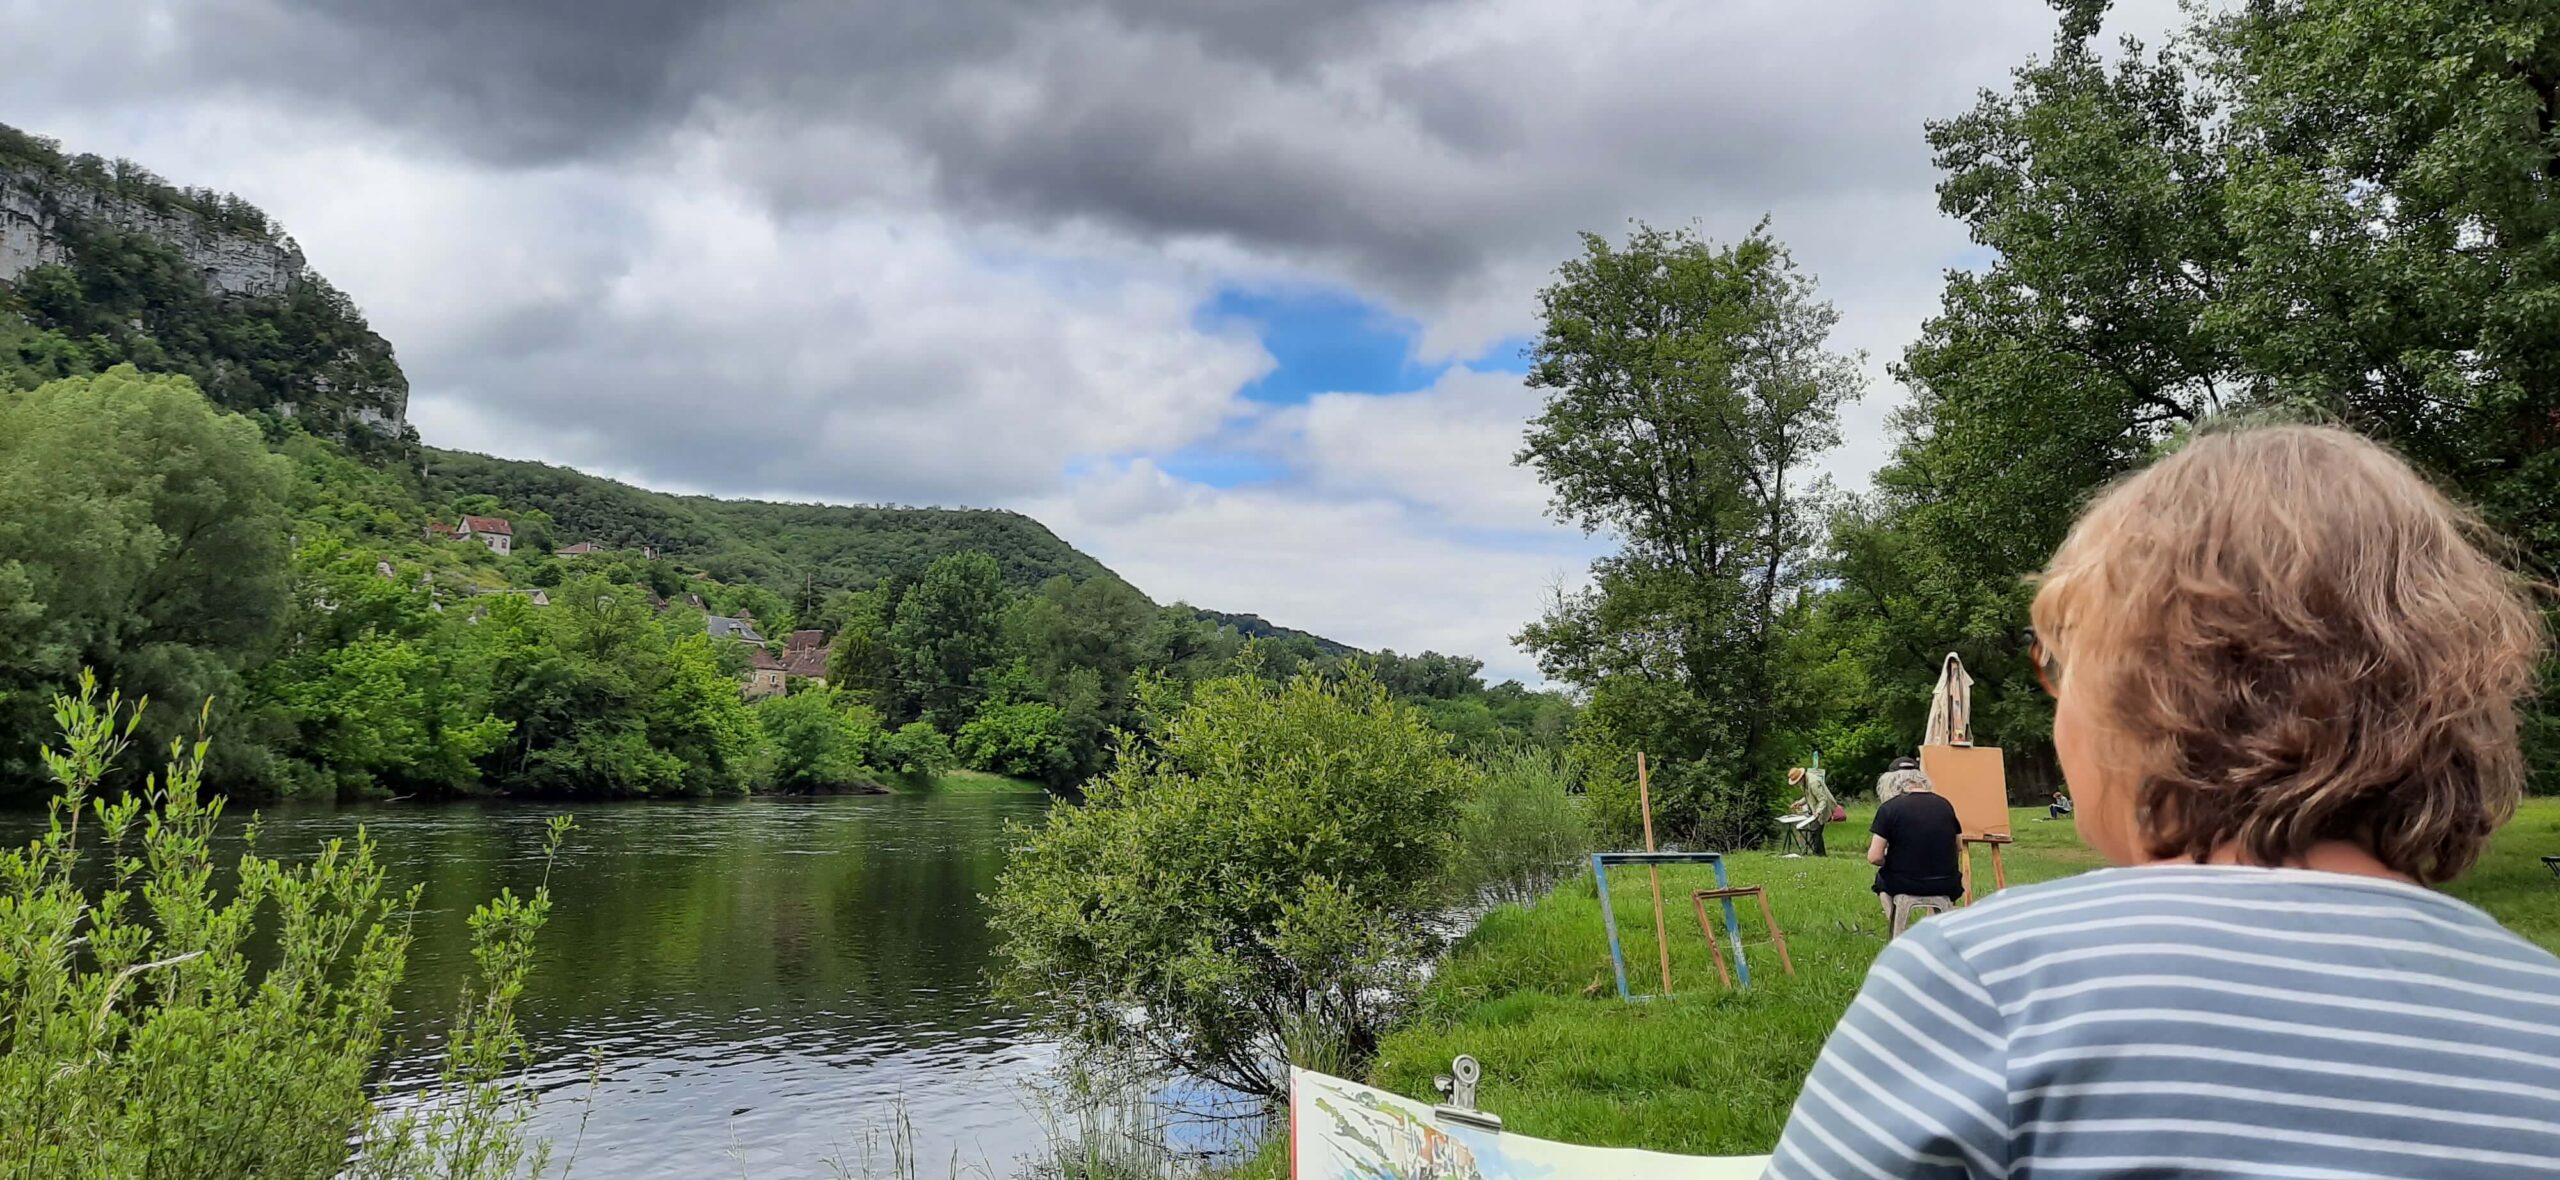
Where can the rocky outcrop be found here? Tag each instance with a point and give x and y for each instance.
(195, 282)
(36, 212)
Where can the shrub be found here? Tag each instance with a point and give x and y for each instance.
(815, 741)
(1025, 740)
(1247, 887)
(1520, 831)
(917, 750)
(141, 1038)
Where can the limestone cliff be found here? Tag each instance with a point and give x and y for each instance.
(103, 262)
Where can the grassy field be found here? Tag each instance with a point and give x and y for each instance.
(1707, 1071)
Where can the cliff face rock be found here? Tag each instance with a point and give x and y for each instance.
(36, 214)
(122, 266)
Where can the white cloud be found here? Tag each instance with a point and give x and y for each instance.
(1447, 449)
(1369, 571)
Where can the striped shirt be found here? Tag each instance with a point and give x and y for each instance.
(2193, 1021)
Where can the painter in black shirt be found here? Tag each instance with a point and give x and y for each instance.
(1915, 849)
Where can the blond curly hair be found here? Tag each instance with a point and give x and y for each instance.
(2295, 639)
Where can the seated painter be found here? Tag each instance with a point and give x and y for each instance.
(1898, 778)
(1916, 844)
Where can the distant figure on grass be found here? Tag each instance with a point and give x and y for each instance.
(2061, 806)
(2285, 681)
(1812, 811)
(1916, 845)
(1898, 778)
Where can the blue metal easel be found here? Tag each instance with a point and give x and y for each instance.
(1600, 862)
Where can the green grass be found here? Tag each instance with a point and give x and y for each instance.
(1709, 1071)
(981, 782)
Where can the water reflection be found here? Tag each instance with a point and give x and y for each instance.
(766, 981)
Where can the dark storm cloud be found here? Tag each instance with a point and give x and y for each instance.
(1388, 141)
(539, 81)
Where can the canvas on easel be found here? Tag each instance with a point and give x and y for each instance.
(1971, 778)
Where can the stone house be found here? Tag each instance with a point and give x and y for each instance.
(491, 531)
(766, 676)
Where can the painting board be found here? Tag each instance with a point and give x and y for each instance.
(1342, 1130)
(1971, 777)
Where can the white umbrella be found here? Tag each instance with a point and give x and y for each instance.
(1951, 706)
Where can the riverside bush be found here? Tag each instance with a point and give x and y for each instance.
(1248, 886)
(153, 1025)
(1521, 830)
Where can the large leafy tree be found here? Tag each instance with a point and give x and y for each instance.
(949, 628)
(2343, 208)
(1691, 387)
(142, 533)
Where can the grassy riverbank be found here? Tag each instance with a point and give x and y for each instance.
(964, 782)
(1709, 1071)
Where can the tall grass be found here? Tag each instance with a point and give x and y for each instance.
(1522, 830)
(141, 1037)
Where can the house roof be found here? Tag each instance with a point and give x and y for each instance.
(724, 627)
(487, 524)
(806, 640)
(808, 663)
(763, 661)
(439, 528)
(580, 549)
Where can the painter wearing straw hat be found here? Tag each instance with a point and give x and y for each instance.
(2285, 678)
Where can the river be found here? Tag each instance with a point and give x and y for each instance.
(732, 987)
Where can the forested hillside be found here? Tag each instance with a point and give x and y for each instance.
(778, 545)
(207, 494)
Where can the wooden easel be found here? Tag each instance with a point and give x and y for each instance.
(1661, 930)
(1999, 871)
(1715, 951)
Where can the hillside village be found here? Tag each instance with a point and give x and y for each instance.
(801, 662)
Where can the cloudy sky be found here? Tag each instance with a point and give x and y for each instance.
(1229, 294)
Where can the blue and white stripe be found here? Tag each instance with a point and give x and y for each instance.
(2193, 1021)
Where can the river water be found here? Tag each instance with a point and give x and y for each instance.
(735, 987)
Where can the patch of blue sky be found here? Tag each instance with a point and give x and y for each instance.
(1322, 341)
(1219, 467)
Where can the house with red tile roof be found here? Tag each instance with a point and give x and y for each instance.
(581, 549)
(491, 531)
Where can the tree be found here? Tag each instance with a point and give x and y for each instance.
(1025, 739)
(142, 533)
(2330, 208)
(1246, 888)
(816, 740)
(1690, 390)
(916, 750)
(949, 628)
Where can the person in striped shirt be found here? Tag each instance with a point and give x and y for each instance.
(2285, 678)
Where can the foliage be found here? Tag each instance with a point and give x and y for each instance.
(1690, 390)
(1244, 889)
(917, 750)
(1522, 829)
(786, 548)
(816, 740)
(141, 1036)
(2333, 208)
(948, 631)
(141, 533)
(127, 295)
(1023, 740)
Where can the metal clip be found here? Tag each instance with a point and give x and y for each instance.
(1459, 1085)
